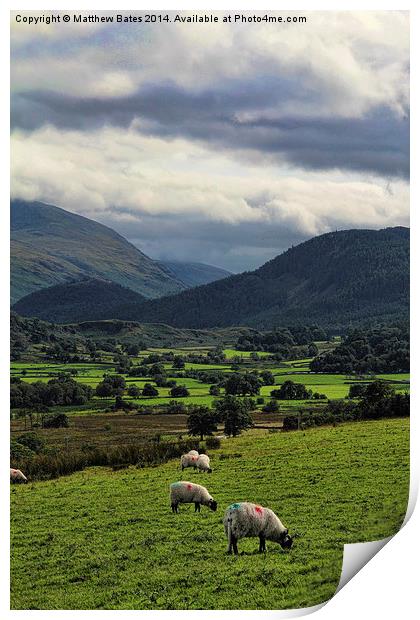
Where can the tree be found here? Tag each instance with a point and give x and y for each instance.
(179, 363)
(214, 390)
(376, 400)
(291, 391)
(133, 350)
(202, 421)
(238, 384)
(150, 390)
(104, 389)
(312, 350)
(267, 377)
(133, 391)
(157, 369)
(179, 391)
(235, 413)
(357, 390)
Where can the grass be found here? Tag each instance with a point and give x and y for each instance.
(107, 540)
(332, 385)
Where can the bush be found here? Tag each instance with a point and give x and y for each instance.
(271, 407)
(46, 466)
(18, 451)
(379, 402)
(357, 390)
(175, 406)
(213, 443)
(56, 420)
(32, 441)
(214, 390)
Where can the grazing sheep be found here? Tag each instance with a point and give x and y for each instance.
(246, 520)
(203, 463)
(189, 493)
(193, 452)
(16, 476)
(189, 460)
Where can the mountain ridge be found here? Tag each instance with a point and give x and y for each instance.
(334, 279)
(50, 245)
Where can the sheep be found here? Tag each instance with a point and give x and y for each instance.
(246, 520)
(203, 463)
(193, 452)
(189, 460)
(16, 476)
(189, 493)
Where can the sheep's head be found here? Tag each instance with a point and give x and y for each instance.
(213, 505)
(286, 541)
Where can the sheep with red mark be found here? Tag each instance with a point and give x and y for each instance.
(203, 463)
(17, 477)
(189, 460)
(246, 520)
(184, 492)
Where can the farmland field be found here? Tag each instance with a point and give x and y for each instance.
(107, 540)
(332, 386)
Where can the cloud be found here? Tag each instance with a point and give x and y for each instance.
(177, 198)
(351, 62)
(223, 143)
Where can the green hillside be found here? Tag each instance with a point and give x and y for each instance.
(92, 298)
(51, 246)
(334, 280)
(103, 539)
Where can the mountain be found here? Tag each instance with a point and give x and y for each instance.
(194, 274)
(93, 299)
(335, 280)
(50, 245)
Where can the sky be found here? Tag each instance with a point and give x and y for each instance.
(217, 143)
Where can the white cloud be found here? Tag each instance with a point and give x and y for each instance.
(94, 172)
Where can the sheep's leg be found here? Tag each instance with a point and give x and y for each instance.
(174, 507)
(235, 544)
(262, 543)
(197, 507)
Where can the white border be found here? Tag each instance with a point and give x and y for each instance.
(387, 586)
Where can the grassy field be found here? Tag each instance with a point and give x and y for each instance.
(107, 540)
(333, 386)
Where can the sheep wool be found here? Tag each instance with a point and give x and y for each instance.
(185, 492)
(246, 520)
(189, 460)
(17, 476)
(203, 463)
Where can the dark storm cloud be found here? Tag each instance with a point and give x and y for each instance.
(376, 143)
